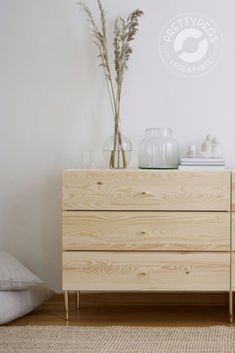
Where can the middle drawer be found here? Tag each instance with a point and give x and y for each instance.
(149, 231)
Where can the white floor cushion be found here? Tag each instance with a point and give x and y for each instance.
(13, 275)
(14, 304)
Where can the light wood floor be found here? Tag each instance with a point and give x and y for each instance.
(136, 309)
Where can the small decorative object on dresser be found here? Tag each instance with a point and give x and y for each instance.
(124, 33)
(158, 150)
(216, 148)
(192, 151)
(211, 147)
(206, 148)
(148, 230)
(210, 157)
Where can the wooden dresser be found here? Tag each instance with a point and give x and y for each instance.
(148, 230)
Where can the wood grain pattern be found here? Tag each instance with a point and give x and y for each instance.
(233, 232)
(146, 190)
(164, 231)
(146, 271)
(233, 191)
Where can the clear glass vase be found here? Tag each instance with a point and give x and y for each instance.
(158, 150)
(117, 151)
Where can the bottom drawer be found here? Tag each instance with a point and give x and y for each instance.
(146, 271)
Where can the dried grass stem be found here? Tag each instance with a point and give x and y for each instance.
(124, 32)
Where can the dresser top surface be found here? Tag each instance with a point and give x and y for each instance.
(107, 170)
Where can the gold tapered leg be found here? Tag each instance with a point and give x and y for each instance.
(78, 299)
(66, 304)
(231, 306)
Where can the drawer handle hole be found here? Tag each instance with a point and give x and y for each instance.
(99, 183)
(145, 193)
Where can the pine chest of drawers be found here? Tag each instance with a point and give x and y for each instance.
(147, 230)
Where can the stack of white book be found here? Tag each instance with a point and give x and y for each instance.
(194, 163)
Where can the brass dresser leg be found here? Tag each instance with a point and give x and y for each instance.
(66, 304)
(78, 299)
(230, 306)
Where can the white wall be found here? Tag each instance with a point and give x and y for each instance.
(54, 105)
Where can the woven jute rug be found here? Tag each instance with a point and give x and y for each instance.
(51, 339)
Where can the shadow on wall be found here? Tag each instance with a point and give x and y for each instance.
(31, 226)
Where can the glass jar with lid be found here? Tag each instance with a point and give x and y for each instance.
(158, 150)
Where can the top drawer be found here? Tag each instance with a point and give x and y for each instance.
(146, 190)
